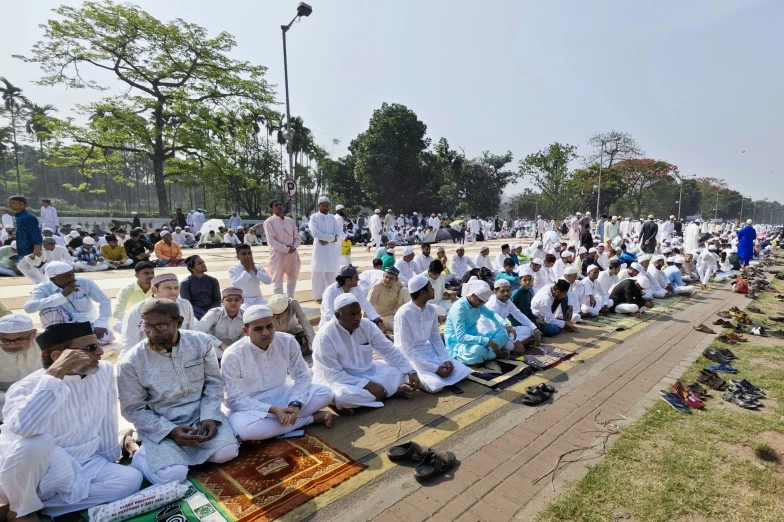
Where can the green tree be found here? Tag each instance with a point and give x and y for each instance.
(586, 182)
(646, 180)
(548, 170)
(13, 101)
(478, 184)
(175, 73)
(388, 158)
(38, 125)
(6, 142)
(342, 186)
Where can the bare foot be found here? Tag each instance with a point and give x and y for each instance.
(324, 417)
(404, 391)
(343, 411)
(637, 315)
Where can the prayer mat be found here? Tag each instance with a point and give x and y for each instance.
(615, 321)
(545, 356)
(270, 478)
(196, 506)
(512, 370)
(664, 303)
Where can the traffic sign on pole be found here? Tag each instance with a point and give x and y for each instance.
(290, 187)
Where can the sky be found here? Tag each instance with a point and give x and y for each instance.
(695, 83)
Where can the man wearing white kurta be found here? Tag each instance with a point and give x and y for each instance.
(19, 353)
(376, 227)
(59, 444)
(325, 263)
(406, 266)
(347, 281)
(499, 303)
(248, 276)
(269, 390)
(691, 237)
(417, 336)
(343, 360)
(460, 264)
(422, 260)
(593, 300)
(482, 259)
(49, 217)
(164, 286)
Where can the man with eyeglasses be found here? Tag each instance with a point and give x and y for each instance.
(164, 286)
(225, 322)
(19, 354)
(59, 442)
(170, 388)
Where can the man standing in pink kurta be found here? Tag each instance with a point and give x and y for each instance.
(283, 241)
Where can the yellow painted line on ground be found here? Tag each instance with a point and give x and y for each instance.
(379, 464)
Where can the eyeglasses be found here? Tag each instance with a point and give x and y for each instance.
(90, 348)
(147, 328)
(18, 340)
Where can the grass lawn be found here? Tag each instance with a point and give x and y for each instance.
(720, 464)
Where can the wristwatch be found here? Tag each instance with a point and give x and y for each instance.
(296, 404)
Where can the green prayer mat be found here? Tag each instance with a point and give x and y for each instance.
(614, 321)
(196, 506)
(664, 303)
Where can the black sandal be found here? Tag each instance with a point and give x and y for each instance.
(407, 451)
(434, 463)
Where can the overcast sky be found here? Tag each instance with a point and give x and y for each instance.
(696, 83)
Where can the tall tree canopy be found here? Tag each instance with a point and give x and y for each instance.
(548, 170)
(175, 75)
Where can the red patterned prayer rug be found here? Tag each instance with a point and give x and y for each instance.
(271, 478)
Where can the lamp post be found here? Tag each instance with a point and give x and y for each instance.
(599, 188)
(303, 9)
(680, 197)
(741, 207)
(716, 214)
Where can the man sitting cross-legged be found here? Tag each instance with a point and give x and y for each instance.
(171, 390)
(225, 322)
(593, 300)
(135, 292)
(288, 316)
(343, 360)
(164, 286)
(461, 334)
(416, 324)
(525, 334)
(347, 282)
(269, 390)
(545, 304)
(59, 442)
(388, 295)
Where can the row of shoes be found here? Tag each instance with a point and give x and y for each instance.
(744, 394)
(537, 394)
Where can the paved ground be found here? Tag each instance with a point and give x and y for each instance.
(512, 446)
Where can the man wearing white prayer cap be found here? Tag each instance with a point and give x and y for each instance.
(87, 258)
(660, 284)
(59, 443)
(520, 336)
(387, 296)
(462, 336)
(19, 353)
(347, 282)
(66, 298)
(628, 296)
(269, 389)
(327, 237)
(406, 265)
(417, 336)
(673, 274)
(343, 360)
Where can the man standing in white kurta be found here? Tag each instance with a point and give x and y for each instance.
(376, 226)
(417, 336)
(343, 360)
(327, 236)
(269, 390)
(59, 442)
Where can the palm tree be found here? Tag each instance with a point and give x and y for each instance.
(13, 99)
(5, 145)
(37, 125)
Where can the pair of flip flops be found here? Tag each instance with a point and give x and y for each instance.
(431, 462)
(723, 368)
(537, 394)
(704, 329)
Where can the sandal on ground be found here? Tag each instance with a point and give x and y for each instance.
(724, 315)
(727, 353)
(698, 390)
(777, 319)
(726, 340)
(711, 380)
(738, 399)
(736, 337)
(535, 397)
(434, 463)
(723, 368)
(748, 387)
(759, 330)
(755, 309)
(720, 322)
(408, 451)
(675, 401)
(713, 355)
(704, 329)
(686, 395)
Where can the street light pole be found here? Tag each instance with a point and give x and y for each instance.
(741, 208)
(680, 197)
(599, 191)
(303, 9)
(716, 214)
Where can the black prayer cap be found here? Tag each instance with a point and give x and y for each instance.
(60, 333)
